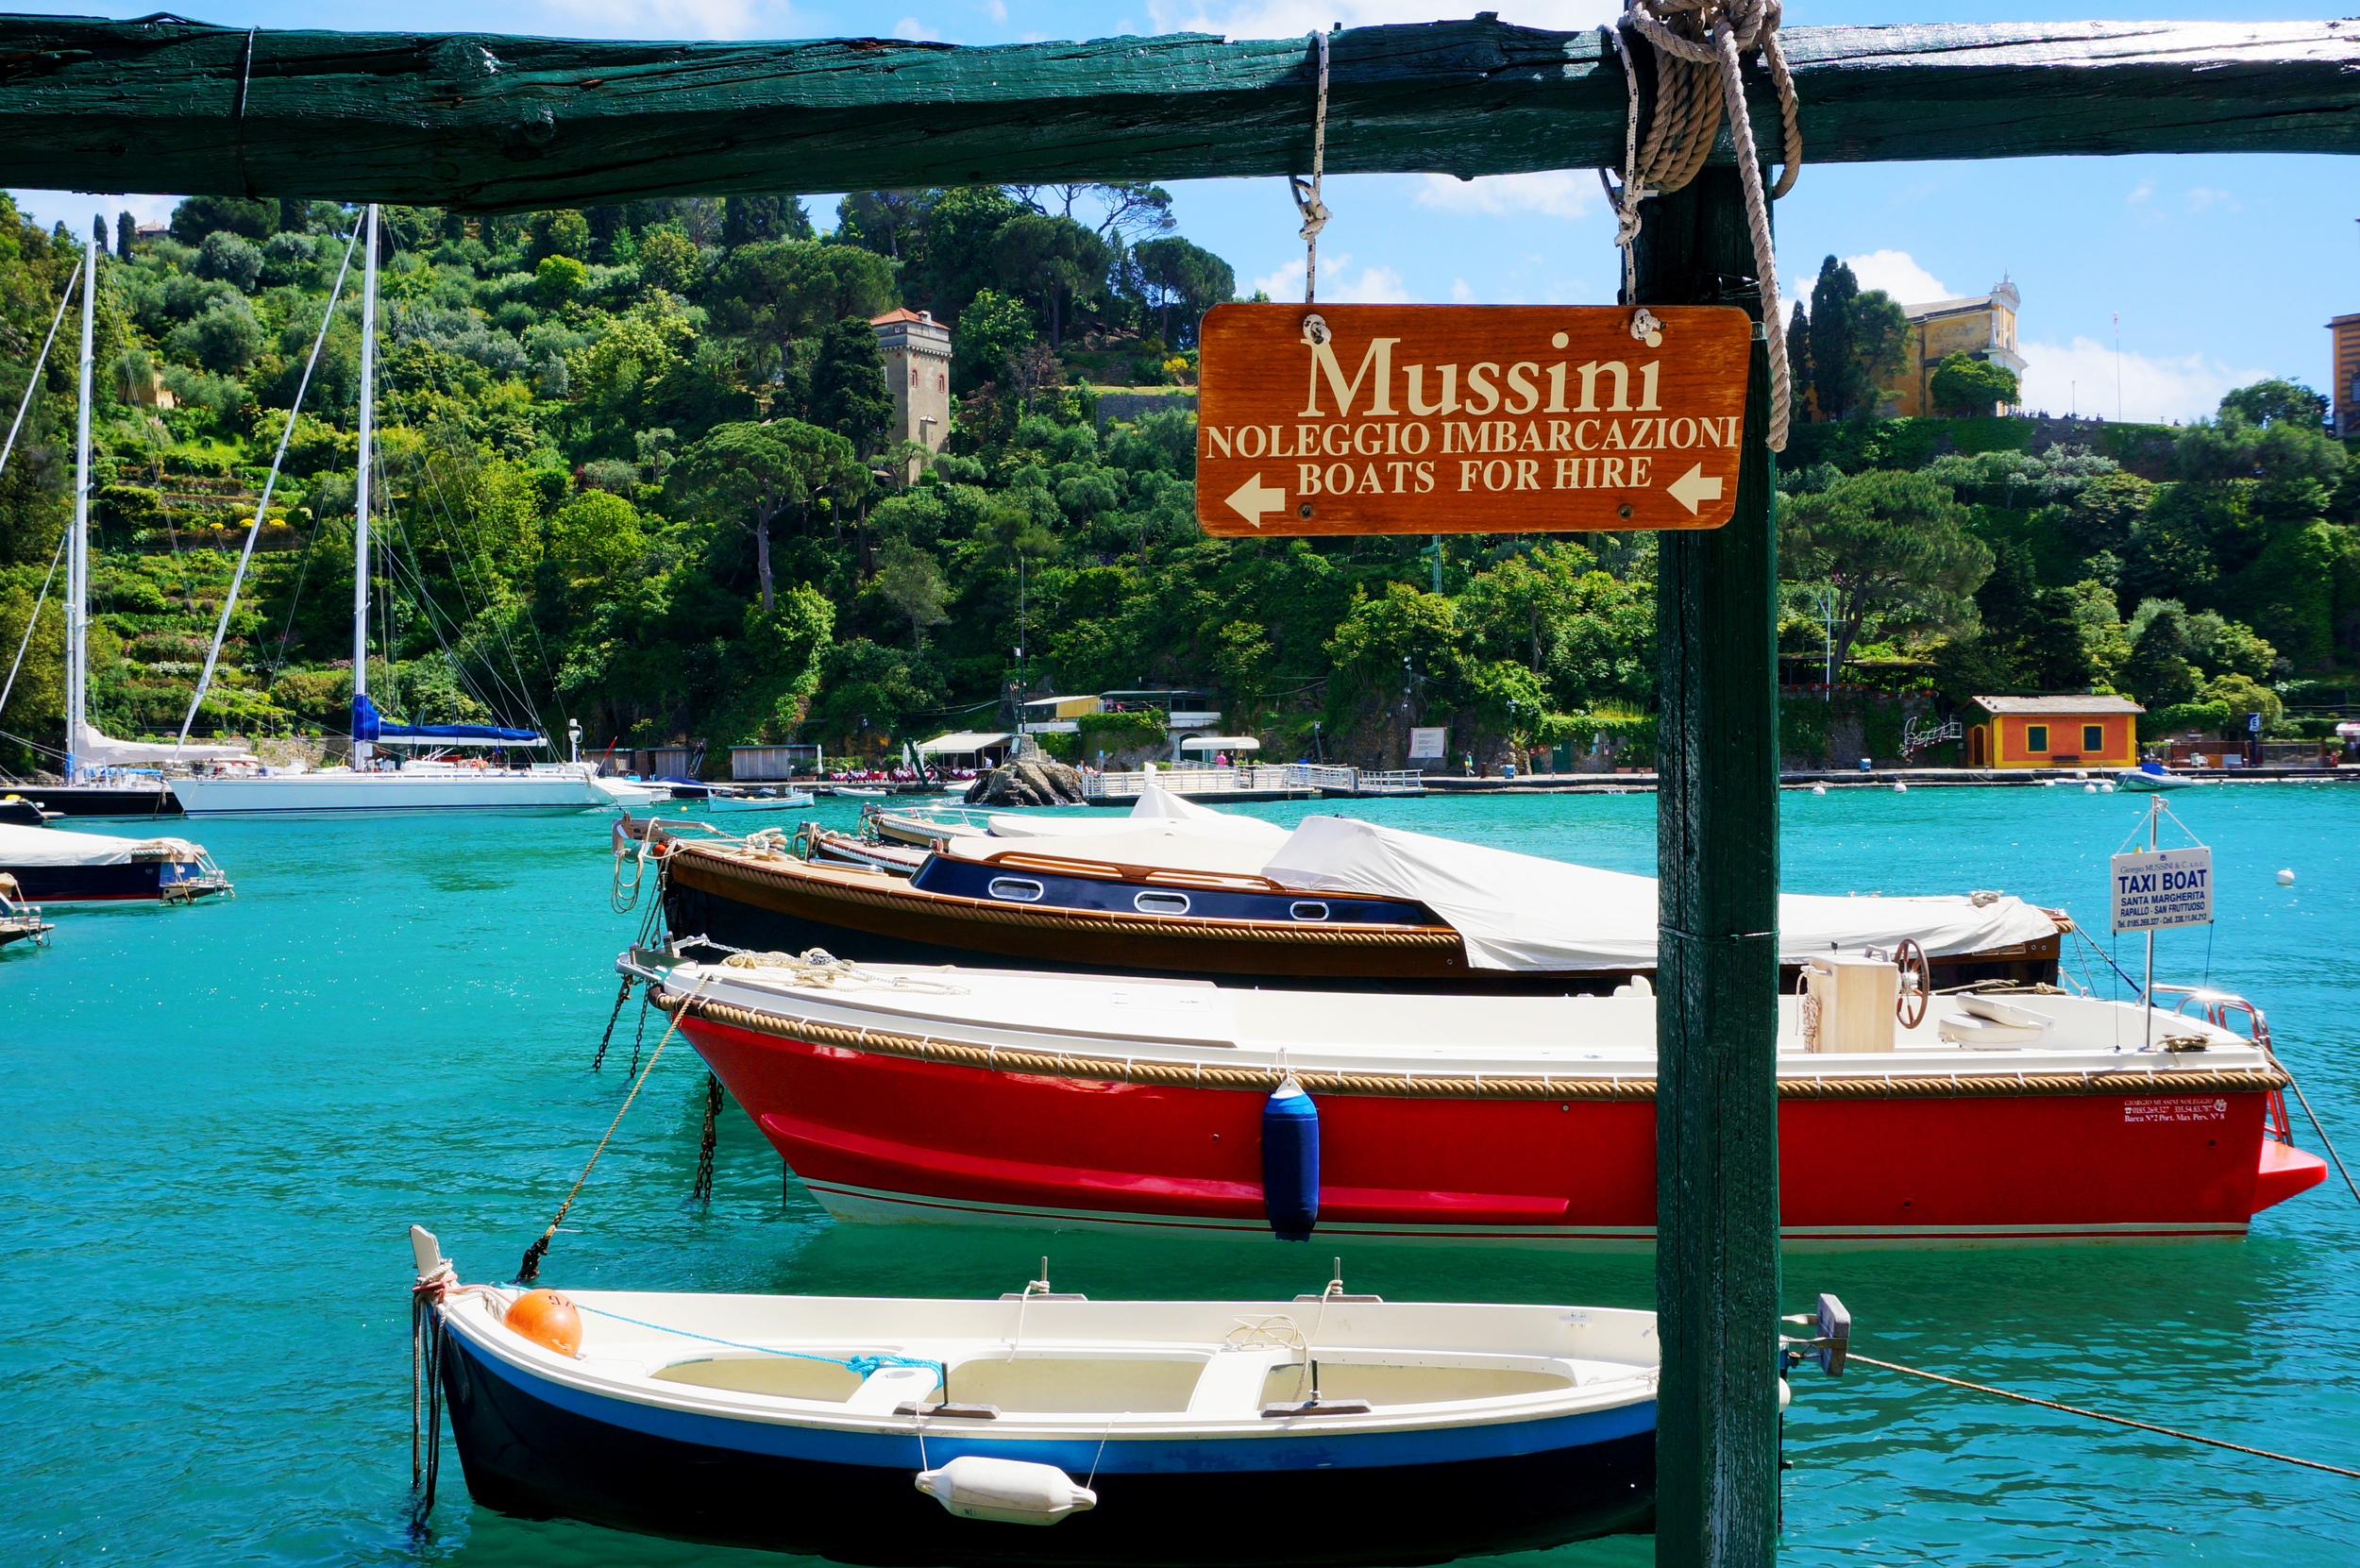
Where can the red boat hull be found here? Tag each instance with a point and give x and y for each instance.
(883, 1136)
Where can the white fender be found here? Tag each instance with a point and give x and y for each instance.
(1012, 1492)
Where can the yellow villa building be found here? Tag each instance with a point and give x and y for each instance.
(1982, 327)
(2053, 731)
(2344, 380)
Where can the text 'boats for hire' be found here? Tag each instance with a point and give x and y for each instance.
(1467, 418)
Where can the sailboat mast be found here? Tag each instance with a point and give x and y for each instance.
(78, 550)
(361, 485)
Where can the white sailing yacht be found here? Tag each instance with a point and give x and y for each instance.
(380, 779)
(104, 777)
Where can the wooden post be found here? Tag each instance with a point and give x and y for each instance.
(1716, 1017)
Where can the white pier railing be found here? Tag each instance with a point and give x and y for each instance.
(1255, 777)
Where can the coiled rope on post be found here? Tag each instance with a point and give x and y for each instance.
(1700, 81)
(1306, 193)
(1857, 1359)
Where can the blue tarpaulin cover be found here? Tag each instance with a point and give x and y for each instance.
(368, 724)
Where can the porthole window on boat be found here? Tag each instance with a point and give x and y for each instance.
(1017, 888)
(1161, 903)
(1308, 911)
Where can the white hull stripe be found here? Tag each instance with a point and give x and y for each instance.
(871, 1203)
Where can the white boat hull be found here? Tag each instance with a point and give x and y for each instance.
(409, 790)
(2140, 782)
(799, 1424)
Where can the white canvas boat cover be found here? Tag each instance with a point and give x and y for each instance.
(22, 846)
(1154, 846)
(1155, 806)
(960, 742)
(94, 750)
(1520, 912)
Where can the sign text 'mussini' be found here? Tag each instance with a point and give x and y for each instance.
(1468, 418)
(1519, 425)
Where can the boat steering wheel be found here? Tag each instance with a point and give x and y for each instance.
(1917, 983)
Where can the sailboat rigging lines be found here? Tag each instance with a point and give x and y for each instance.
(403, 787)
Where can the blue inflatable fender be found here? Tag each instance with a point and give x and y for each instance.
(1290, 1162)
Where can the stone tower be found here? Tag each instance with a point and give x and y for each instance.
(917, 350)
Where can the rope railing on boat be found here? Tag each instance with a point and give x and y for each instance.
(1422, 1085)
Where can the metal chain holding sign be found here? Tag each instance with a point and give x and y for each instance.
(1699, 81)
(1306, 193)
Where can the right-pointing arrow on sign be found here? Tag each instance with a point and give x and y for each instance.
(1250, 500)
(1693, 487)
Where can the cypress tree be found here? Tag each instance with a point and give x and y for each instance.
(1831, 336)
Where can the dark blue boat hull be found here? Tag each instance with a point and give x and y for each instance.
(971, 879)
(137, 881)
(525, 1455)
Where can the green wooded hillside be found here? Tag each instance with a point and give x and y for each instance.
(633, 469)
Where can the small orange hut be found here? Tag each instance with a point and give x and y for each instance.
(2054, 732)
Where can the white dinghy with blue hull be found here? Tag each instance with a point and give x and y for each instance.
(1329, 1429)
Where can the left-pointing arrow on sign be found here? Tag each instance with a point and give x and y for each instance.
(1693, 487)
(1250, 500)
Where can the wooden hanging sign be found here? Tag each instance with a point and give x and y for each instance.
(1468, 418)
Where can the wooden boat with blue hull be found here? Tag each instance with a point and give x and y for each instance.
(1180, 1434)
(1089, 905)
(1012, 876)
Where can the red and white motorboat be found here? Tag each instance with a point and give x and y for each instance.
(969, 1096)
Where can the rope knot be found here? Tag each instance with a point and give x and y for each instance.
(1700, 81)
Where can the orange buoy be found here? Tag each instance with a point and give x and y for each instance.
(548, 1319)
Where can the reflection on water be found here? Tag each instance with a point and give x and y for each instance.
(219, 1121)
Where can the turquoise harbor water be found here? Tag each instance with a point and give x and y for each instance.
(216, 1122)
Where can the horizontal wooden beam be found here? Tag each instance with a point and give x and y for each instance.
(491, 123)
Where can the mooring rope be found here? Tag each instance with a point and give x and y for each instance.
(863, 1364)
(2100, 1415)
(2324, 1140)
(530, 1267)
(1699, 81)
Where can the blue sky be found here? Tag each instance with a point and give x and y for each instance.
(2222, 269)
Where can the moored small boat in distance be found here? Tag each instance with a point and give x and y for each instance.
(1334, 1428)
(53, 865)
(2152, 776)
(705, 799)
(20, 921)
(16, 811)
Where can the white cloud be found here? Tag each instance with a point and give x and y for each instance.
(681, 18)
(1375, 286)
(2060, 378)
(75, 209)
(2140, 192)
(913, 30)
(2204, 196)
(1898, 274)
(996, 9)
(1294, 18)
(1460, 292)
(1556, 193)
